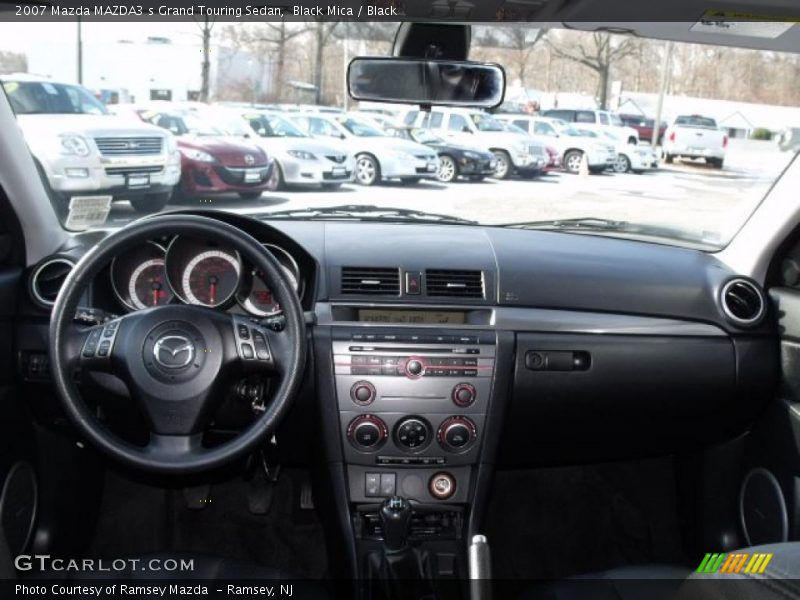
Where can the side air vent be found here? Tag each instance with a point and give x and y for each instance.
(454, 284)
(48, 278)
(370, 281)
(743, 302)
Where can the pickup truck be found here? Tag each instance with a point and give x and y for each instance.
(81, 149)
(694, 136)
(514, 152)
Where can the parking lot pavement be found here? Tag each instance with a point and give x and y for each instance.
(689, 196)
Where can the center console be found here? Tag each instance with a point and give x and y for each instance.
(412, 407)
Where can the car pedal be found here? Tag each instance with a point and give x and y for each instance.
(306, 497)
(197, 497)
(260, 493)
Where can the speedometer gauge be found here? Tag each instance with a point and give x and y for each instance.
(210, 278)
(148, 286)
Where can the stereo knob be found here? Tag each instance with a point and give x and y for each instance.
(412, 433)
(367, 432)
(362, 393)
(456, 434)
(414, 368)
(463, 394)
(442, 485)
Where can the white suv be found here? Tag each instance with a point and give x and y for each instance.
(513, 151)
(81, 149)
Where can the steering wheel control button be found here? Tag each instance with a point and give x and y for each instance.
(260, 343)
(362, 393)
(367, 432)
(464, 395)
(244, 332)
(90, 347)
(456, 434)
(412, 433)
(442, 486)
(104, 348)
(247, 352)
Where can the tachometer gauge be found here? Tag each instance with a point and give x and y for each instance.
(210, 278)
(148, 285)
(139, 278)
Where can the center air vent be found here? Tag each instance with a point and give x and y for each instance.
(48, 278)
(371, 281)
(743, 302)
(454, 283)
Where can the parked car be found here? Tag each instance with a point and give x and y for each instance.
(378, 155)
(553, 155)
(630, 158)
(299, 158)
(81, 149)
(645, 127)
(695, 136)
(569, 142)
(514, 151)
(595, 119)
(455, 160)
(212, 160)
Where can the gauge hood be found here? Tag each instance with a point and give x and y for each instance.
(229, 150)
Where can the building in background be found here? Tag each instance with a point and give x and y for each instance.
(153, 68)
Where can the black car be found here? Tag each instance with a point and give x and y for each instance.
(454, 160)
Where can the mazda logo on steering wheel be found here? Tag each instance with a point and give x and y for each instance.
(173, 351)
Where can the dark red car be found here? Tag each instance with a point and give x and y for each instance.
(644, 126)
(212, 161)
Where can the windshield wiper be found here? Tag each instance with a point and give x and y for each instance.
(586, 223)
(369, 212)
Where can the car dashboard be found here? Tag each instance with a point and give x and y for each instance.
(441, 352)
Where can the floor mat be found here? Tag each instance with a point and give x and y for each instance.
(139, 519)
(559, 522)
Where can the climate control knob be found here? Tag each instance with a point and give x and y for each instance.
(362, 393)
(412, 433)
(456, 434)
(367, 432)
(463, 394)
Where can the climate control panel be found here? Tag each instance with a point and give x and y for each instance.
(411, 399)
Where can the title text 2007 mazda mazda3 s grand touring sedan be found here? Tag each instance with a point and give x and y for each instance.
(564, 387)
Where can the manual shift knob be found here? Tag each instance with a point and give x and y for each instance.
(395, 517)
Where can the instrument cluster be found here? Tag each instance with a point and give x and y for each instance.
(195, 271)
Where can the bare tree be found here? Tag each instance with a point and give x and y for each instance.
(323, 35)
(598, 51)
(520, 40)
(206, 25)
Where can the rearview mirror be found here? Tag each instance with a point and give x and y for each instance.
(415, 81)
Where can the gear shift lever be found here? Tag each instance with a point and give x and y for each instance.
(395, 517)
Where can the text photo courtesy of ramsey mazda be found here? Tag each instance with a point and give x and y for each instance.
(400, 300)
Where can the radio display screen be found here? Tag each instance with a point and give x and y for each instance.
(432, 317)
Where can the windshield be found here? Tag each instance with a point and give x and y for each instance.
(733, 116)
(273, 126)
(44, 97)
(486, 123)
(359, 128)
(695, 121)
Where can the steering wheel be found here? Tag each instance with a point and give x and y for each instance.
(176, 360)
